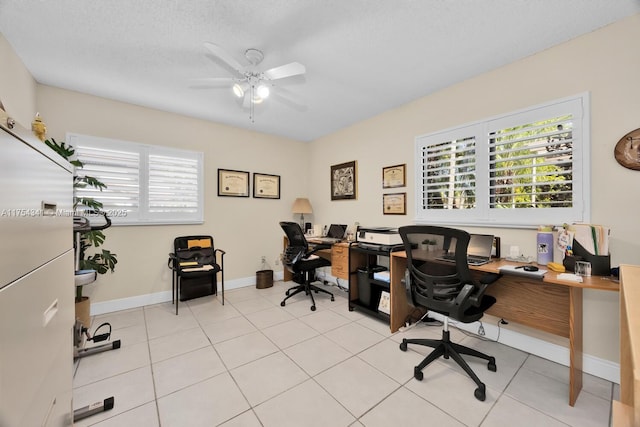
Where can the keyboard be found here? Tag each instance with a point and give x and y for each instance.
(471, 260)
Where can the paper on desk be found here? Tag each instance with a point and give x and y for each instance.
(593, 238)
(569, 277)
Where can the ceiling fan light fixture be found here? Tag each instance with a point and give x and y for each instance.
(238, 90)
(262, 91)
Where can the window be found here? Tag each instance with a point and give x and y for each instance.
(146, 184)
(522, 169)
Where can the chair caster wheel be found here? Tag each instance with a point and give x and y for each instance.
(282, 304)
(417, 374)
(480, 393)
(332, 298)
(403, 346)
(313, 308)
(492, 365)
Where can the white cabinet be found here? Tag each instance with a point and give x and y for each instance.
(36, 283)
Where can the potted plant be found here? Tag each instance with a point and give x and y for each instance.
(101, 260)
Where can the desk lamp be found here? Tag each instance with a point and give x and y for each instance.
(301, 206)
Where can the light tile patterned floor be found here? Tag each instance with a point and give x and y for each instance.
(253, 363)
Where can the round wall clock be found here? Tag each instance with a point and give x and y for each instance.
(627, 151)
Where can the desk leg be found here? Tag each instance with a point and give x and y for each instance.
(575, 343)
(399, 304)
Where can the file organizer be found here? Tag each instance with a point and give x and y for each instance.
(600, 264)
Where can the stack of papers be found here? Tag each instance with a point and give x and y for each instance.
(206, 267)
(569, 276)
(593, 238)
(383, 276)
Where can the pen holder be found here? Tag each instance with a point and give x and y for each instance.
(600, 264)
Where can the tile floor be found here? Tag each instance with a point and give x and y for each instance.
(253, 363)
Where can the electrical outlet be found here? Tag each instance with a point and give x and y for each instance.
(263, 259)
(277, 261)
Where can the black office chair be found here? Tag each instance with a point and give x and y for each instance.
(302, 262)
(194, 263)
(449, 289)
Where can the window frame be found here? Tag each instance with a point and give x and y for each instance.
(482, 214)
(144, 216)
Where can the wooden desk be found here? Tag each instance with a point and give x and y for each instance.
(550, 305)
(338, 255)
(626, 412)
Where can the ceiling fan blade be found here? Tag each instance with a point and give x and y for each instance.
(216, 80)
(287, 70)
(224, 56)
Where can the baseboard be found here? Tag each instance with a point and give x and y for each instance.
(592, 365)
(110, 306)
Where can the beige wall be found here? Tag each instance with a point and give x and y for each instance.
(603, 63)
(17, 87)
(246, 228)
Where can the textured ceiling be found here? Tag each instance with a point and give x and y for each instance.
(362, 57)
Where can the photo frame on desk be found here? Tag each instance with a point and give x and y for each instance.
(394, 204)
(344, 181)
(394, 176)
(266, 186)
(233, 183)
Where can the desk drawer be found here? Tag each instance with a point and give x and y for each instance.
(340, 261)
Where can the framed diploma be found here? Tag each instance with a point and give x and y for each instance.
(266, 186)
(394, 176)
(394, 204)
(233, 183)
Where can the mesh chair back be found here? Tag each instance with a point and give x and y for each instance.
(444, 286)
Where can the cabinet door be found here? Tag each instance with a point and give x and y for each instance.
(35, 215)
(36, 321)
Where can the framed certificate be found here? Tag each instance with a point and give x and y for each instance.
(233, 183)
(266, 186)
(394, 204)
(394, 176)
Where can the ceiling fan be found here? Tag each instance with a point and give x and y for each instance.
(251, 84)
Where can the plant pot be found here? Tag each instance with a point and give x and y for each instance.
(83, 311)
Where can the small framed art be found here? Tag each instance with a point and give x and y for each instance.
(394, 176)
(233, 183)
(266, 186)
(394, 204)
(344, 181)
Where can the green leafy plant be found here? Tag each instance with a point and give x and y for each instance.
(102, 260)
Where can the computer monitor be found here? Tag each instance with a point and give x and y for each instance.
(337, 231)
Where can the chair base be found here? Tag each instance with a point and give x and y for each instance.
(446, 349)
(307, 288)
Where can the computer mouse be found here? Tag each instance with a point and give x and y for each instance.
(528, 267)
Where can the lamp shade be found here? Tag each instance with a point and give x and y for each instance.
(301, 206)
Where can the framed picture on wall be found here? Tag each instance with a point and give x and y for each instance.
(266, 186)
(394, 204)
(233, 183)
(394, 176)
(344, 181)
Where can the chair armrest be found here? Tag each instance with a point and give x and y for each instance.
(221, 251)
(171, 262)
(318, 247)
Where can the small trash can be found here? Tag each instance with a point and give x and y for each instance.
(264, 279)
(364, 287)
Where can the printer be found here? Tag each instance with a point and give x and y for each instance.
(380, 238)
